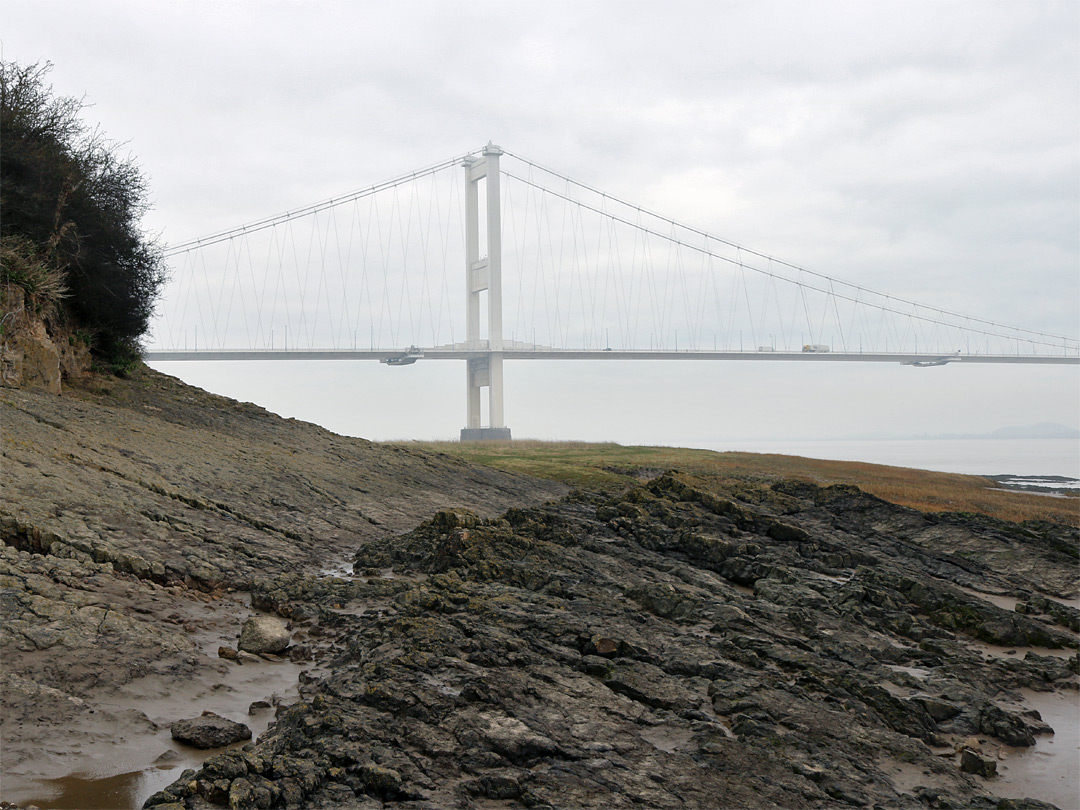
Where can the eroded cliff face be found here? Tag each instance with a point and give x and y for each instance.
(36, 353)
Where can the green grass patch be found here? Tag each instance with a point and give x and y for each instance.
(608, 466)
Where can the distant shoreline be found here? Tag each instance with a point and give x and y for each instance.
(1052, 460)
(1054, 485)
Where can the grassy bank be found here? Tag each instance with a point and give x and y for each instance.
(612, 465)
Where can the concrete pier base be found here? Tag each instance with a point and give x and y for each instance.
(487, 434)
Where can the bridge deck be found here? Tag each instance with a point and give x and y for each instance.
(906, 358)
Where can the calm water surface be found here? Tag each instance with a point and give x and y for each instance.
(968, 456)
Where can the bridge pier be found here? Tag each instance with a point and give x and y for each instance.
(484, 274)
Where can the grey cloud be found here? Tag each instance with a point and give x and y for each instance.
(923, 148)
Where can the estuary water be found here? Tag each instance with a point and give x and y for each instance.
(1018, 457)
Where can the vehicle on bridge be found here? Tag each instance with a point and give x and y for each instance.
(815, 347)
(410, 356)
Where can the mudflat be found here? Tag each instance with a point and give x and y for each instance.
(467, 638)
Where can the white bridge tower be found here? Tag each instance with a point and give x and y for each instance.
(484, 274)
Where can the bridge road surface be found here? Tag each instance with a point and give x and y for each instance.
(410, 355)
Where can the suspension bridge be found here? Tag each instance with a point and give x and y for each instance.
(489, 257)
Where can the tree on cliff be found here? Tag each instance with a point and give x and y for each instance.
(69, 202)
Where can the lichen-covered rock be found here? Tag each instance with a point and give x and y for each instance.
(252, 793)
(382, 782)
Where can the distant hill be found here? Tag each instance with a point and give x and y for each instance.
(1042, 430)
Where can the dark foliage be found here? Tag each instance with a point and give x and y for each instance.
(66, 189)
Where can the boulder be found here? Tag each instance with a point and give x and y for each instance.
(973, 762)
(1007, 727)
(209, 730)
(263, 634)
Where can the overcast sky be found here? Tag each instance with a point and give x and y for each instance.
(928, 149)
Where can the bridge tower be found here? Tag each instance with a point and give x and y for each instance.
(484, 274)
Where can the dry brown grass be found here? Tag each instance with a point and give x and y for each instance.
(605, 465)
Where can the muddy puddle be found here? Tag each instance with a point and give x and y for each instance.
(1009, 603)
(82, 791)
(90, 790)
(915, 672)
(907, 776)
(121, 752)
(906, 687)
(997, 651)
(339, 569)
(121, 791)
(999, 600)
(1074, 602)
(743, 589)
(1049, 770)
(124, 771)
(842, 579)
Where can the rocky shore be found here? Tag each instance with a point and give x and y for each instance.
(136, 517)
(496, 641)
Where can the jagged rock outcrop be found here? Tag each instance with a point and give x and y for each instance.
(674, 646)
